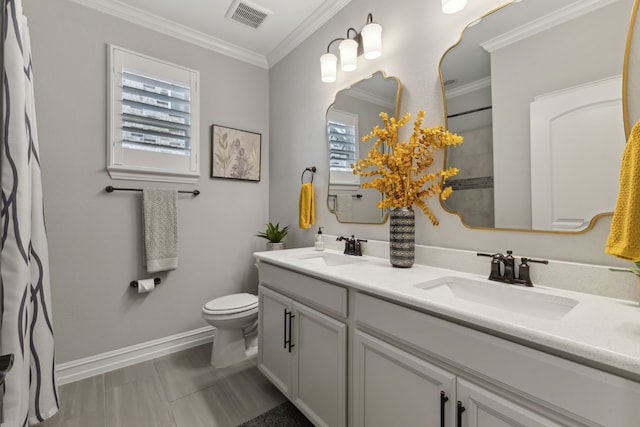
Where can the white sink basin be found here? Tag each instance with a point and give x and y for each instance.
(330, 259)
(498, 295)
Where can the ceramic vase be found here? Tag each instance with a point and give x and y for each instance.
(402, 237)
(275, 246)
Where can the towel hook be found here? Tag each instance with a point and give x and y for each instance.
(311, 169)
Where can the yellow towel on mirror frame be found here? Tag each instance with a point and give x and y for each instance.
(624, 236)
(307, 206)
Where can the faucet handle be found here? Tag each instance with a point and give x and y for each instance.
(524, 271)
(358, 246)
(494, 256)
(495, 273)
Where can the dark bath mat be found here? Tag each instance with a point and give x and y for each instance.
(284, 415)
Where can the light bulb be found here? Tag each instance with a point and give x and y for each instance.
(328, 63)
(348, 55)
(372, 40)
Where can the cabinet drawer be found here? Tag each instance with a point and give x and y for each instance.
(316, 293)
(565, 386)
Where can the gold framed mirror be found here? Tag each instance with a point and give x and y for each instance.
(353, 114)
(535, 88)
(631, 76)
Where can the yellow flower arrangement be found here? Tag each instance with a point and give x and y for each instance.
(401, 167)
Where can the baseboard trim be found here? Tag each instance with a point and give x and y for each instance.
(79, 369)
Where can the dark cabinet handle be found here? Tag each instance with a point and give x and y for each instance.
(443, 399)
(286, 313)
(291, 316)
(461, 409)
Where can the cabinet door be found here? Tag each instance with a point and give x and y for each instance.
(394, 388)
(319, 366)
(482, 408)
(274, 357)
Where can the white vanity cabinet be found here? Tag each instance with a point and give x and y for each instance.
(482, 408)
(497, 382)
(303, 351)
(394, 387)
(406, 365)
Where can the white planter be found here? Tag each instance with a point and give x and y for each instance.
(275, 246)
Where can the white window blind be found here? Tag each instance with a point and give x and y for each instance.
(342, 146)
(342, 134)
(155, 115)
(154, 119)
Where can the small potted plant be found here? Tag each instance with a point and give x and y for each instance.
(274, 234)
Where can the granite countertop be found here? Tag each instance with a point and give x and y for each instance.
(599, 331)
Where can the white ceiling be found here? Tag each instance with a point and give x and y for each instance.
(203, 22)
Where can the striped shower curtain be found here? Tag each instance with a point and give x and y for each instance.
(26, 329)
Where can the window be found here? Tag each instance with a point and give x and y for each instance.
(342, 133)
(154, 119)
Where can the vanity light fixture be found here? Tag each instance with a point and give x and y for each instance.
(453, 6)
(367, 42)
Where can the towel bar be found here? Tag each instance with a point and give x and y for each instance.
(311, 169)
(357, 196)
(111, 189)
(134, 284)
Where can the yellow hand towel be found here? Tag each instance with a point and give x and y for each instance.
(624, 236)
(307, 206)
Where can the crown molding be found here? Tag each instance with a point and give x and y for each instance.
(544, 23)
(468, 88)
(173, 29)
(363, 95)
(316, 20)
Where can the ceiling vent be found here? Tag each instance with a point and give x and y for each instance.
(247, 13)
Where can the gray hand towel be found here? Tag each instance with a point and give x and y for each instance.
(160, 217)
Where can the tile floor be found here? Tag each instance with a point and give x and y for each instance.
(178, 390)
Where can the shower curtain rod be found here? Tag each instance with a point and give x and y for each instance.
(470, 111)
(111, 189)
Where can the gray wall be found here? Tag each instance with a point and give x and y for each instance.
(95, 237)
(415, 35)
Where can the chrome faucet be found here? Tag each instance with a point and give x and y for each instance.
(508, 273)
(352, 246)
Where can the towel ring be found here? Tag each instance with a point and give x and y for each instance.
(311, 169)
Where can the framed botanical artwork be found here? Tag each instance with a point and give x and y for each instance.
(235, 153)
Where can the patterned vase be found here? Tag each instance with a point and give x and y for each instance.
(402, 242)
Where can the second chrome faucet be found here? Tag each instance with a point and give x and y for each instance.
(507, 274)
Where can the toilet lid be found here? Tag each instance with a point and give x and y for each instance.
(232, 303)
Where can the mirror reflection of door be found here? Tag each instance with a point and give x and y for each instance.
(508, 67)
(353, 114)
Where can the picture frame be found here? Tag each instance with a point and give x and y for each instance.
(235, 153)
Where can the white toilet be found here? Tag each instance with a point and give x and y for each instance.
(235, 318)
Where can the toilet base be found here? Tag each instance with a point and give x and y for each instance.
(231, 346)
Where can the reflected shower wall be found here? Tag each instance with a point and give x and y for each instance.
(473, 186)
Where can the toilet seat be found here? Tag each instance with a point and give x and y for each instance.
(231, 304)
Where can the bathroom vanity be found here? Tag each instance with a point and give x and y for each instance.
(353, 341)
